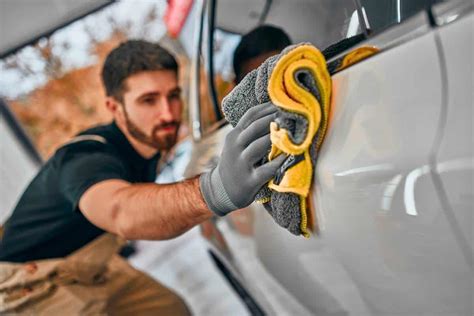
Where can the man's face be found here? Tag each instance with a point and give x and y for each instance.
(255, 62)
(152, 108)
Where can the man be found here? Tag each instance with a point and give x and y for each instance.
(102, 181)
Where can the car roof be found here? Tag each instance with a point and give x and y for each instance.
(24, 21)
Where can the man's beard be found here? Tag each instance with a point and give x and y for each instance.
(153, 140)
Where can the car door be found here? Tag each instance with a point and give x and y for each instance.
(383, 241)
(376, 188)
(454, 171)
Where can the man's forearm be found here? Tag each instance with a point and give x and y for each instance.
(159, 211)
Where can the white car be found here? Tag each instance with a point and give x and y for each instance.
(392, 197)
(393, 186)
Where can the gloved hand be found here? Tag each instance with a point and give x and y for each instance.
(236, 179)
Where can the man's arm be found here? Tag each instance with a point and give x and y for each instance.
(145, 211)
(162, 211)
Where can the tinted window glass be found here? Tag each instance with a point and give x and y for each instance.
(223, 48)
(381, 14)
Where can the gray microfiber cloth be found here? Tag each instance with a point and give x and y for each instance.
(251, 91)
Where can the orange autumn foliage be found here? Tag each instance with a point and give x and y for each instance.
(64, 106)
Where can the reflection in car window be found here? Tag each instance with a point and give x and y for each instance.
(382, 14)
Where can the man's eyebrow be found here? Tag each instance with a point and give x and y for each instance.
(175, 90)
(148, 94)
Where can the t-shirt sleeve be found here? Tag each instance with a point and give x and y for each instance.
(82, 170)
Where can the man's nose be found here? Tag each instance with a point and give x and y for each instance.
(166, 113)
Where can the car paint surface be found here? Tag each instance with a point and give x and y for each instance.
(376, 198)
(455, 153)
(392, 192)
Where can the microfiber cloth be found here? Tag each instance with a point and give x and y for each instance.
(298, 83)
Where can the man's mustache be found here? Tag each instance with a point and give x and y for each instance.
(165, 125)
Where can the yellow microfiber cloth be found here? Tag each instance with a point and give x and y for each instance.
(289, 94)
(298, 83)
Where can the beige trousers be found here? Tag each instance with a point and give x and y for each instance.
(94, 280)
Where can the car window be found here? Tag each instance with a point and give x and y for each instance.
(382, 14)
(325, 23)
(223, 49)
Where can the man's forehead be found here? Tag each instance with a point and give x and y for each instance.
(157, 81)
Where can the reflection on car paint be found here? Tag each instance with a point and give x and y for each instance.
(456, 165)
(379, 167)
(215, 238)
(242, 221)
(409, 193)
(411, 179)
(357, 55)
(351, 58)
(389, 192)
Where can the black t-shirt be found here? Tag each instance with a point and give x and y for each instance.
(46, 223)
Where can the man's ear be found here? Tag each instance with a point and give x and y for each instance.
(116, 109)
(112, 105)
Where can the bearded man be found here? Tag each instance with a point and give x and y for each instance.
(58, 252)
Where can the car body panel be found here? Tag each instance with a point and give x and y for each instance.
(377, 204)
(455, 154)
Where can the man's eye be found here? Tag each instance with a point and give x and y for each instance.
(149, 101)
(175, 96)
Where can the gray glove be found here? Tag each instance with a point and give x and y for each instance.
(237, 178)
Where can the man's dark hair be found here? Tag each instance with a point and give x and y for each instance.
(261, 40)
(132, 57)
